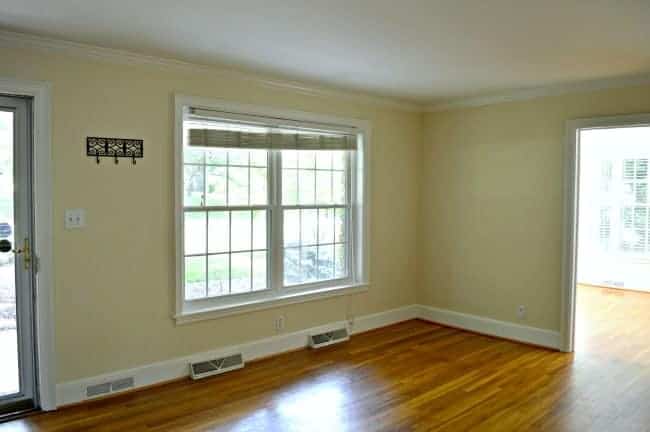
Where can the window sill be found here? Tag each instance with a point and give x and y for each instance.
(261, 304)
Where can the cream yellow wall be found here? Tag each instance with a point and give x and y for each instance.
(492, 203)
(466, 209)
(114, 280)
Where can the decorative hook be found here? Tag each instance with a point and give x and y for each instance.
(116, 148)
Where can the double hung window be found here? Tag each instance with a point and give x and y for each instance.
(269, 208)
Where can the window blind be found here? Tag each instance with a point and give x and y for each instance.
(210, 129)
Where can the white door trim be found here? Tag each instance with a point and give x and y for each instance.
(42, 196)
(571, 194)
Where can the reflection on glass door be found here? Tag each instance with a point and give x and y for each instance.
(16, 295)
(9, 376)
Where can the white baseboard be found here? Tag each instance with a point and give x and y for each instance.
(75, 391)
(385, 318)
(491, 327)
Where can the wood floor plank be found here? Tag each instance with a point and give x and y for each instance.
(413, 376)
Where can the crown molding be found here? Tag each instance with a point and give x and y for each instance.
(12, 39)
(539, 92)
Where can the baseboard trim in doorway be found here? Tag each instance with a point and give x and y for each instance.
(491, 327)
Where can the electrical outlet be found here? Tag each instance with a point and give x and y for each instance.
(521, 312)
(350, 321)
(279, 323)
(75, 218)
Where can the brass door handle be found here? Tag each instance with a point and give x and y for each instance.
(26, 252)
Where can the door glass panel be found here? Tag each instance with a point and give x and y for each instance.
(9, 374)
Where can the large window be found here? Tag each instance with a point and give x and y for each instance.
(269, 209)
(624, 212)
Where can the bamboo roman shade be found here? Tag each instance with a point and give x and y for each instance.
(209, 129)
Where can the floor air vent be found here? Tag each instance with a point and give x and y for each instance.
(328, 338)
(110, 387)
(98, 389)
(217, 366)
(122, 384)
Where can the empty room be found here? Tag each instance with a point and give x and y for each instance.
(353, 215)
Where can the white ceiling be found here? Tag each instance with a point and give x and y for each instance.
(418, 50)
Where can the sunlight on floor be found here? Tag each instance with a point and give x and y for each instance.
(310, 404)
(318, 407)
(612, 323)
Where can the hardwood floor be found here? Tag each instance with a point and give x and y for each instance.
(411, 376)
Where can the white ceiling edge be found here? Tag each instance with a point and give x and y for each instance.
(540, 92)
(25, 40)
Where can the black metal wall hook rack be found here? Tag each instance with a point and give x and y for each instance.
(116, 148)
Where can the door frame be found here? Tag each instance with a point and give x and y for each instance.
(40, 91)
(571, 213)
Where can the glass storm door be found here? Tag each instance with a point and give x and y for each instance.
(17, 365)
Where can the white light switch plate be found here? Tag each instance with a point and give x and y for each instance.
(75, 218)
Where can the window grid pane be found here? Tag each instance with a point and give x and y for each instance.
(236, 241)
(226, 251)
(218, 275)
(315, 210)
(313, 180)
(195, 283)
(216, 185)
(240, 179)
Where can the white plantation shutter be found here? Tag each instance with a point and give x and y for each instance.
(605, 228)
(209, 129)
(634, 206)
(623, 205)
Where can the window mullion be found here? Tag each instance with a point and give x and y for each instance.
(250, 253)
(207, 250)
(334, 216)
(350, 217)
(300, 243)
(250, 279)
(229, 252)
(227, 179)
(225, 208)
(317, 214)
(276, 235)
(203, 202)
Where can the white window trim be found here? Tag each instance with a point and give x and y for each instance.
(186, 312)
